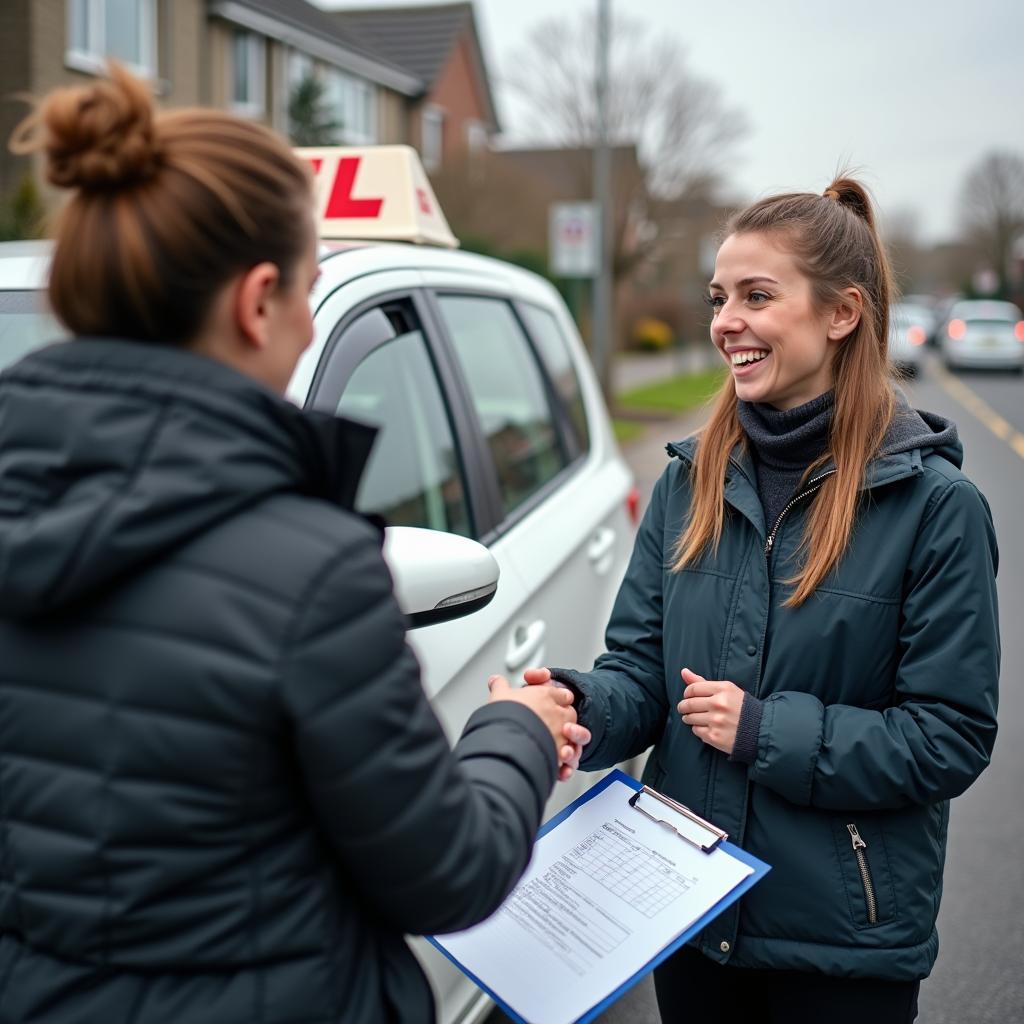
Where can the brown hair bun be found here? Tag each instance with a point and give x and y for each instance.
(851, 193)
(95, 137)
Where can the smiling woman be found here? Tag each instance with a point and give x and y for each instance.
(812, 583)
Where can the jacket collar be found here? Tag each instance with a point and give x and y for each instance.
(741, 476)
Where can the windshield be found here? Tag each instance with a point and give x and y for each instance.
(25, 325)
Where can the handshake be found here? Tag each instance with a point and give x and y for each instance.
(553, 705)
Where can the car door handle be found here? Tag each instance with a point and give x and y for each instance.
(526, 645)
(599, 550)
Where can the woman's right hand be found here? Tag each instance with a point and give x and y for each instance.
(576, 736)
(552, 704)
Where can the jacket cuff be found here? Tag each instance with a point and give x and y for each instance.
(744, 749)
(587, 710)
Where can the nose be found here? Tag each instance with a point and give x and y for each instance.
(728, 322)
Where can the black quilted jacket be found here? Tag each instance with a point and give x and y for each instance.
(223, 794)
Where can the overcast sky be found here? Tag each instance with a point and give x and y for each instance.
(911, 91)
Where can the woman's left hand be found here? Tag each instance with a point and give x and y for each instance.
(711, 707)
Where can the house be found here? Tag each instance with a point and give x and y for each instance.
(455, 114)
(416, 76)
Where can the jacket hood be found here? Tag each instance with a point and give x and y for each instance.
(115, 452)
(913, 429)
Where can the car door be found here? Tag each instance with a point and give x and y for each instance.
(560, 507)
(382, 366)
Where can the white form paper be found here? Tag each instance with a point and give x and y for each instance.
(605, 891)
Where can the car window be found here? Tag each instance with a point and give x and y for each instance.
(508, 393)
(553, 347)
(25, 325)
(414, 475)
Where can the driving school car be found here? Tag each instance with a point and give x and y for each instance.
(495, 463)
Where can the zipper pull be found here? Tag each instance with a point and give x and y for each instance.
(770, 542)
(858, 843)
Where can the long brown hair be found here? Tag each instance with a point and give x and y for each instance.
(166, 207)
(834, 241)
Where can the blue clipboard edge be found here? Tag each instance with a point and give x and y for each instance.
(617, 775)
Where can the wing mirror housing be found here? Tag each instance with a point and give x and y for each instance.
(438, 576)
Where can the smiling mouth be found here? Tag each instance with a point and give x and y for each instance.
(746, 357)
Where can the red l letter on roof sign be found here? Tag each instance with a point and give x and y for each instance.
(341, 203)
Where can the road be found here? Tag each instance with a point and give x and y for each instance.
(978, 977)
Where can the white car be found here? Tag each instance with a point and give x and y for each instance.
(492, 427)
(984, 334)
(909, 326)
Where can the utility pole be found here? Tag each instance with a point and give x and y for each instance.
(601, 326)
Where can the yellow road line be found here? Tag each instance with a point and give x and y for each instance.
(958, 390)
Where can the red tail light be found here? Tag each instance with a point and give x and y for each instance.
(957, 329)
(916, 335)
(1018, 330)
(633, 505)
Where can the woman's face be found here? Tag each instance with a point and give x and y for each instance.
(765, 325)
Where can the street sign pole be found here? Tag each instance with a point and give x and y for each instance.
(601, 327)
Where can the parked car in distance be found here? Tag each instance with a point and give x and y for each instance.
(928, 307)
(492, 427)
(984, 334)
(908, 332)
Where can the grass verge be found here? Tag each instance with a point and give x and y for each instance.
(672, 395)
(627, 430)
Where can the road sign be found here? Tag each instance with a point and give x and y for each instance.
(573, 239)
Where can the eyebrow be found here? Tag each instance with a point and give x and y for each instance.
(746, 281)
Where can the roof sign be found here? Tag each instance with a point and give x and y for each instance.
(376, 192)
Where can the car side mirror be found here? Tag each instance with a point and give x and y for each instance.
(438, 576)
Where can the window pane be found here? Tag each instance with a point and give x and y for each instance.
(242, 67)
(25, 325)
(554, 352)
(413, 476)
(508, 392)
(78, 30)
(124, 30)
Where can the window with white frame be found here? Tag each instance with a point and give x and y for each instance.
(247, 74)
(353, 105)
(101, 29)
(432, 141)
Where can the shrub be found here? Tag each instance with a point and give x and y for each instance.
(651, 334)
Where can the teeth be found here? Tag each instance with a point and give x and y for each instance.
(751, 356)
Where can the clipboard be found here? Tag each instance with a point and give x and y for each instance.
(690, 829)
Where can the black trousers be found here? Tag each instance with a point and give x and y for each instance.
(690, 987)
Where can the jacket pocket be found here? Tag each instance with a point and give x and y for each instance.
(864, 865)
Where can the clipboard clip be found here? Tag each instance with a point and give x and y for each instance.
(693, 828)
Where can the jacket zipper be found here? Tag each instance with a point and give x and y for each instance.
(812, 486)
(859, 846)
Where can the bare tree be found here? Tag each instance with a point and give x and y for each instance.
(992, 208)
(678, 120)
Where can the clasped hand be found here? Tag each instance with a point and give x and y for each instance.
(711, 708)
(553, 704)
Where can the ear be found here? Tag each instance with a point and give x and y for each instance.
(252, 301)
(846, 315)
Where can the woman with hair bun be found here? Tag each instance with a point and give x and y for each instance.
(223, 794)
(807, 634)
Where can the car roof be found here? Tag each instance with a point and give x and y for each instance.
(984, 309)
(23, 265)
